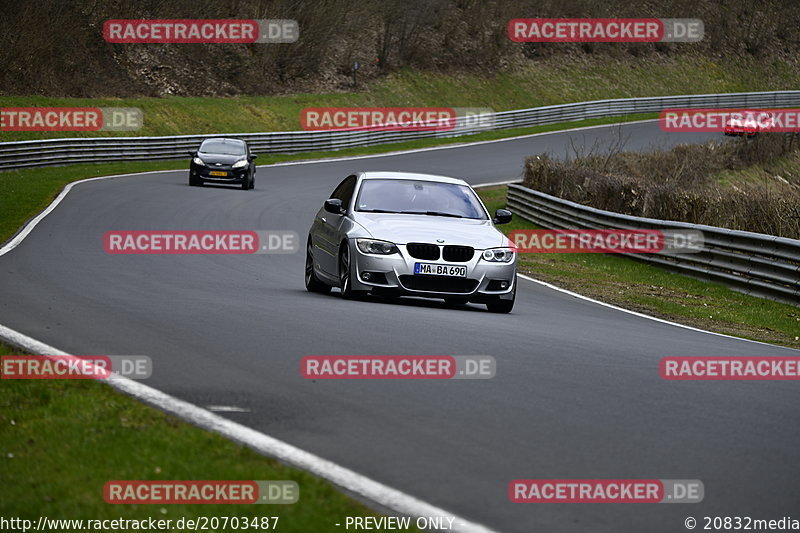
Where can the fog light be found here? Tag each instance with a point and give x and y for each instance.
(503, 284)
(366, 276)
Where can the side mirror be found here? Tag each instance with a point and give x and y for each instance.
(334, 205)
(253, 156)
(192, 153)
(502, 216)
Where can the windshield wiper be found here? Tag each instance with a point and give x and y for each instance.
(432, 213)
(376, 211)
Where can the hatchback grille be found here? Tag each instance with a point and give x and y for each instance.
(438, 283)
(420, 250)
(458, 254)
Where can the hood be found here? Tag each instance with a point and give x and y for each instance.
(210, 159)
(403, 229)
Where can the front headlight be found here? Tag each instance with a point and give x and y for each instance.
(498, 255)
(371, 246)
(198, 161)
(240, 164)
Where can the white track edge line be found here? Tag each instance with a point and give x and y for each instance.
(28, 227)
(342, 477)
(643, 315)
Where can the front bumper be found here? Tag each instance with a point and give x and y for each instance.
(238, 175)
(394, 274)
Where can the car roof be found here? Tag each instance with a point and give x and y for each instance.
(224, 139)
(375, 175)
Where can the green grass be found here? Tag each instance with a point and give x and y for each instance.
(62, 440)
(642, 287)
(26, 192)
(546, 82)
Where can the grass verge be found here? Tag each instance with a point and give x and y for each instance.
(556, 80)
(26, 192)
(649, 289)
(62, 440)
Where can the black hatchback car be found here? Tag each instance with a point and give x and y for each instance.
(223, 161)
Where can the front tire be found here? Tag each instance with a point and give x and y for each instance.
(503, 306)
(313, 284)
(194, 182)
(345, 274)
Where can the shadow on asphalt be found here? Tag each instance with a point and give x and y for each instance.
(405, 301)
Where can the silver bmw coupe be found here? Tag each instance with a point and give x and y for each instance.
(401, 234)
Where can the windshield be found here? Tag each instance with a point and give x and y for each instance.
(219, 146)
(419, 197)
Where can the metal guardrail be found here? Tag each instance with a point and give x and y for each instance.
(21, 154)
(753, 263)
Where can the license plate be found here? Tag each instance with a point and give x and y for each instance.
(217, 173)
(432, 269)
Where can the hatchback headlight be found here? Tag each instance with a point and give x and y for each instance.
(240, 164)
(498, 255)
(198, 161)
(371, 246)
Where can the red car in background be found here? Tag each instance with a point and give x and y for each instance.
(749, 123)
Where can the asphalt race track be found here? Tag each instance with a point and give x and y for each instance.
(577, 392)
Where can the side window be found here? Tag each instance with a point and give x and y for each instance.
(344, 191)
